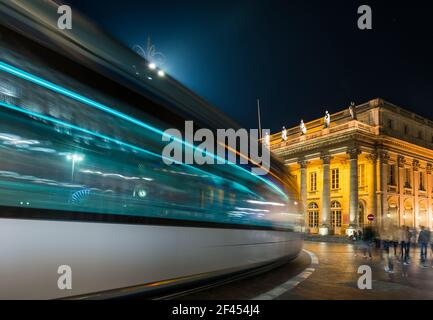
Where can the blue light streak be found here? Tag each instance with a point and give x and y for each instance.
(73, 95)
(101, 136)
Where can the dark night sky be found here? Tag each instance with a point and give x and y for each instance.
(299, 57)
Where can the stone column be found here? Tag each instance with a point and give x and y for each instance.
(401, 161)
(383, 159)
(429, 193)
(415, 188)
(372, 189)
(303, 190)
(353, 193)
(326, 195)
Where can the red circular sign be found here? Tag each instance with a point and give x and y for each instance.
(370, 217)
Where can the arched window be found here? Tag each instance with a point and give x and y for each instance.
(408, 214)
(336, 214)
(422, 219)
(313, 215)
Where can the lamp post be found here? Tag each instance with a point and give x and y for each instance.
(74, 158)
(155, 58)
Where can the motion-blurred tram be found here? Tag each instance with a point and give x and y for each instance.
(83, 184)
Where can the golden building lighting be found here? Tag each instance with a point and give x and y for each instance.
(373, 160)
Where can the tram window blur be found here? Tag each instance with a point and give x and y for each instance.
(61, 154)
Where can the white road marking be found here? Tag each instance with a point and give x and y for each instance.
(293, 282)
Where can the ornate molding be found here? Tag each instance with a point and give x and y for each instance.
(384, 157)
(303, 163)
(416, 165)
(429, 168)
(325, 142)
(354, 152)
(372, 157)
(326, 158)
(401, 161)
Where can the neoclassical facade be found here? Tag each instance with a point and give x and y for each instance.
(374, 161)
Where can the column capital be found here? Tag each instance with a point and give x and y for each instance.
(401, 161)
(416, 165)
(429, 168)
(353, 152)
(326, 158)
(372, 157)
(303, 163)
(384, 157)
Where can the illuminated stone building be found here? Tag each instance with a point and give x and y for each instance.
(372, 162)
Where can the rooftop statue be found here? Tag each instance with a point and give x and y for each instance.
(284, 134)
(352, 110)
(327, 119)
(303, 128)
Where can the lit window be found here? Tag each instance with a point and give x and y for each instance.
(392, 175)
(421, 181)
(407, 178)
(313, 215)
(361, 175)
(336, 214)
(335, 178)
(313, 181)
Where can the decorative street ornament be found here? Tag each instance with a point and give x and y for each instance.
(303, 128)
(352, 110)
(327, 119)
(284, 134)
(150, 54)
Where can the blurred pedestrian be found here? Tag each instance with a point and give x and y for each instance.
(356, 245)
(404, 247)
(423, 241)
(404, 236)
(431, 246)
(395, 239)
(367, 240)
(377, 240)
(412, 241)
(413, 237)
(386, 234)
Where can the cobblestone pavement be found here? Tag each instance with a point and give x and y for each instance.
(337, 277)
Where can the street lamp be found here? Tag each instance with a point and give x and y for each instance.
(161, 73)
(152, 66)
(74, 158)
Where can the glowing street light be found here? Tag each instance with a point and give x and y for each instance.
(152, 66)
(74, 158)
(161, 73)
